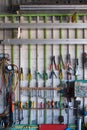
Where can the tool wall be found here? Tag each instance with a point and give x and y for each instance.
(44, 72)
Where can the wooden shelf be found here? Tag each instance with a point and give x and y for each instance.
(42, 108)
(40, 88)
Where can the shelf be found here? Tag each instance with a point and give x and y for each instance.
(42, 108)
(43, 25)
(43, 41)
(48, 108)
(40, 88)
(52, 7)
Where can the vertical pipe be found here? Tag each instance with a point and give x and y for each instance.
(67, 75)
(76, 57)
(4, 37)
(12, 54)
(19, 78)
(29, 69)
(76, 46)
(45, 49)
(52, 80)
(12, 46)
(83, 67)
(60, 53)
(61, 118)
(37, 76)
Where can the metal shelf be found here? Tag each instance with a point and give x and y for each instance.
(43, 41)
(48, 108)
(43, 25)
(40, 88)
(42, 108)
(52, 7)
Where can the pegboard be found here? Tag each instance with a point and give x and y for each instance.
(32, 56)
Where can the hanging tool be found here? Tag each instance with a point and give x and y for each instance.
(49, 104)
(10, 84)
(56, 104)
(38, 75)
(53, 62)
(41, 106)
(52, 103)
(74, 17)
(69, 67)
(4, 116)
(21, 110)
(45, 75)
(4, 56)
(21, 74)
(13, 106)
(30, 104)
(29, 75)
(62, 63)
(76, 68)
(52, 74)
(34, 104)
(10, 72)
(61, 66)
(60, 118)
(84, 59)
(20, 104)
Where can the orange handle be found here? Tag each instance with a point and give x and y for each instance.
(13, 106)
(21, 105)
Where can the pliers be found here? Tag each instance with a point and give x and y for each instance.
(76, 71)
(53, 62)
(52, 74)
(60, 74)
(45, 76)
(61, 63)
(69, 67)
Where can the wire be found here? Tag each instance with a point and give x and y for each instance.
(10, 76)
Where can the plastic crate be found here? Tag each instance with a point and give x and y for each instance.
(52, 127)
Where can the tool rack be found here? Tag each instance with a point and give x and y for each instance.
(11, 22)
